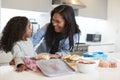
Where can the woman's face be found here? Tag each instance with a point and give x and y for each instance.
(58, 22)
(28, 30)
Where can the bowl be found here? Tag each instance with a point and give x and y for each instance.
(96, 60)
(86, 66)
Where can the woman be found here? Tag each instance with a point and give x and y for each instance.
(60, 35)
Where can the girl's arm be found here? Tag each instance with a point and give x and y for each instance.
(21, 67)
(18, 58)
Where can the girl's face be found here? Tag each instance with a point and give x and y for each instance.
(58, 22)
(28, 31)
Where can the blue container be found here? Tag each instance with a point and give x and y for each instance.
(101, 55)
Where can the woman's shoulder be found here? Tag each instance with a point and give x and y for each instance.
(76, 34)
(44, 27)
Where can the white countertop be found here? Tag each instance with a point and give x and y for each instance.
(8, 73)
(95, 44)
(98, 43)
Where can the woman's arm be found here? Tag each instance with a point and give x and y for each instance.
(64, 47)
(37, 37)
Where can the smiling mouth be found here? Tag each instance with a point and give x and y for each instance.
(56, 28)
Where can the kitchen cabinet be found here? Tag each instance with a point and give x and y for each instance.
(31, 5)
(94, 9)
(0, 15)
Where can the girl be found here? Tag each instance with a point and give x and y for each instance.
(16, 38)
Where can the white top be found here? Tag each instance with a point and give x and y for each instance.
(22, 49)
(9, 73)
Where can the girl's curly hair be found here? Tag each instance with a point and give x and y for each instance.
(13, 32)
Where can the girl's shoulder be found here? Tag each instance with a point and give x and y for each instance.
(24, 41)
(28, 39)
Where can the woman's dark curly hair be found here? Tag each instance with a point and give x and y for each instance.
(13, 32)
(71, 26)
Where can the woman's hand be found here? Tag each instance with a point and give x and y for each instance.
(21, 68)
(55, 56)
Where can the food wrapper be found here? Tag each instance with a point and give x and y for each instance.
(108, 64)
(31, 64)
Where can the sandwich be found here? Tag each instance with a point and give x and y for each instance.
(71, 58)
(66, 56)
(43, 56)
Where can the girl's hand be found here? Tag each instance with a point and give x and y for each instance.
(21, 68)
(12, 62)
